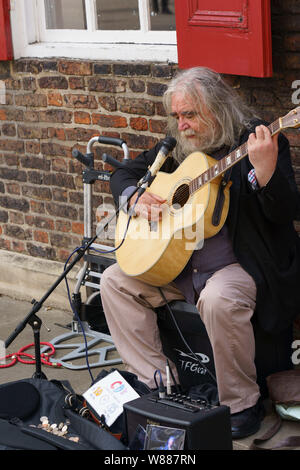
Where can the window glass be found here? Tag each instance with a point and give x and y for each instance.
(65, 14)
(118, 14)
(162, 15)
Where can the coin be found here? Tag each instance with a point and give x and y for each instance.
(64, 428)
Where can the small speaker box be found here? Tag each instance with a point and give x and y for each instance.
(206, 429)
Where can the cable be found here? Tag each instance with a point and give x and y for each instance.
(183, 339)
(30, 359)
(155, 380)
(173, 377)
(168, 384)
(160, 386)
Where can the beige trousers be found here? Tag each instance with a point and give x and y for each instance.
(226, 305)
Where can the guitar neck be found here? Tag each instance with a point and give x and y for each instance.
(227, 162)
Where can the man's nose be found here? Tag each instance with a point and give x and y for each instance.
(182, 123)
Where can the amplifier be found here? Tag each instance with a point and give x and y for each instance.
(207, 427)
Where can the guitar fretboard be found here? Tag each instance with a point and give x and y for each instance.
(227, 162)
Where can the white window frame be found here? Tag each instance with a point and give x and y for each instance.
(31, 39)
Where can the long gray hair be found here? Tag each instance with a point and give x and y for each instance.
(207, 89)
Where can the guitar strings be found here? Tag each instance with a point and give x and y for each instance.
(235, 156)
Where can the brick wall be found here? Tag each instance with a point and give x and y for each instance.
(55, 105)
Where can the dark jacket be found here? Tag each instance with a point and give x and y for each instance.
(260, 224)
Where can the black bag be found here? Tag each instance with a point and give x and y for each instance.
(24, 402)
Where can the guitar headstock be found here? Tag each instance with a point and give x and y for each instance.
(291, 119)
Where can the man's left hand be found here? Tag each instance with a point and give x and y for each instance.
(263, 153)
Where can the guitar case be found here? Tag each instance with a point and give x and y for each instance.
(24, 402)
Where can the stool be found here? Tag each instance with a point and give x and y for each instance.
(272, 352)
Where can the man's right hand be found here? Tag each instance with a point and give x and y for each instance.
(149, 206)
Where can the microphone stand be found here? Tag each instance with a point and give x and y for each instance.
(31, 318)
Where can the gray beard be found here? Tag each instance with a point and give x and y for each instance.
(184, 148)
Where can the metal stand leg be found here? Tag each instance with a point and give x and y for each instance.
(82, 350)
(35, 323)
(92, 343)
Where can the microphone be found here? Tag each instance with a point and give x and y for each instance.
(167, 146)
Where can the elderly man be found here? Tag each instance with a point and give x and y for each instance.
(250, 266)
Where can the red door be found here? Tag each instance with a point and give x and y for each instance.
(6, 51)
(232, 36)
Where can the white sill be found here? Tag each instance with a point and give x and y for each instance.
(102, 51)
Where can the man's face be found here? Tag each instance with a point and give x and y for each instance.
(192, 132)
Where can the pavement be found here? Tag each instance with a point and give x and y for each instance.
(13, 311)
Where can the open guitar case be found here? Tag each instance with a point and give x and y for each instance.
(23, 403)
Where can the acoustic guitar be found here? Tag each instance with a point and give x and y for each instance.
(156, 252)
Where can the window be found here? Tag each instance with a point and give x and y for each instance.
(69, 14)
(113, 15)
(95, 29)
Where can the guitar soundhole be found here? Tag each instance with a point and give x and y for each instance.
(181, 196)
